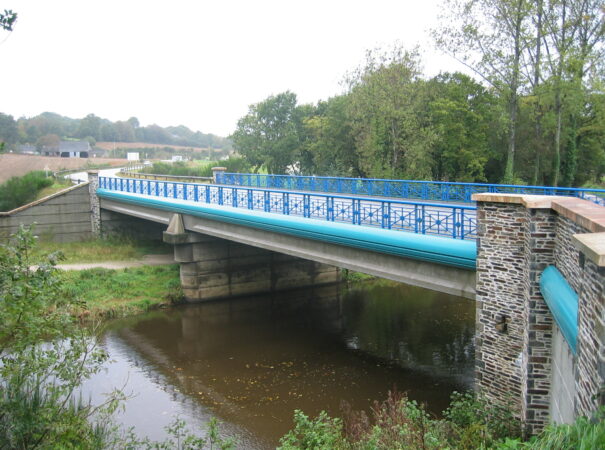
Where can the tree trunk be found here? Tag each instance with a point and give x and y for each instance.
(537, 109)
(512, 103)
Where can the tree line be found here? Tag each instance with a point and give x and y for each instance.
(48, 128)
(534, 111)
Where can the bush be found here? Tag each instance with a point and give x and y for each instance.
(400, 423)
(233, 164)
(44, 357)
(18, 191)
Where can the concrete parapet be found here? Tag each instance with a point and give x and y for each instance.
(60, 217)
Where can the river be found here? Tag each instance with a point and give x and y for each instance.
(252, 361)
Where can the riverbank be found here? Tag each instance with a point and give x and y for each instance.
(108, 293)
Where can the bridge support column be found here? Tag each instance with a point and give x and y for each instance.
(214, 268)
(519, 236)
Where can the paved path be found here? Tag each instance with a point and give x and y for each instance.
(147, 260)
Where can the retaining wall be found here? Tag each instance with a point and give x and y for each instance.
(61, 217)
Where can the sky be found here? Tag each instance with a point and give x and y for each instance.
(196, 63)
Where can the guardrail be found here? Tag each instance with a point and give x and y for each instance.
(155, 176)
(440, 191)
(453, 221)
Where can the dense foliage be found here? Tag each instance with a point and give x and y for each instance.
(48, 128)
(533, 113)
(45, 355)
(18, 191)
(469, 423)
(233, 164)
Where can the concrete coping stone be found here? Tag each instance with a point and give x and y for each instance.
(582, 212)
(42, 200)
(529, 201)
(592, 245)
(586, 214)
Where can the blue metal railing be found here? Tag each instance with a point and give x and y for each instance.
(454, 221)
(439, 191)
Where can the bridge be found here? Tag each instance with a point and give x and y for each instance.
(533, 263)
(533, 258)
(358, 233)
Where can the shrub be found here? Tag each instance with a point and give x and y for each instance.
(18, 191)
(322, 433)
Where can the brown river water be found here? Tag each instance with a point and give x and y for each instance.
(251, 362)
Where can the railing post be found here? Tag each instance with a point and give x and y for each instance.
(95, 206)
(267, 201)
(286, 204)
(330, 209)
(306, 205)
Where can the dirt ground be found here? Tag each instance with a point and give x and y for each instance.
(12, 165)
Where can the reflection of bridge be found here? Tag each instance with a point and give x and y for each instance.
(539, 332)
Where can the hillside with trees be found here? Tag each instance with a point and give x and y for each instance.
(49, 128)
(533, 113)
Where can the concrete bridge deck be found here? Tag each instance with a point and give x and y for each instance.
(433, 262)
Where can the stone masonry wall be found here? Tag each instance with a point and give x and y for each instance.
(538, 321)
(590, 366)
(500, 302)
(519, 236)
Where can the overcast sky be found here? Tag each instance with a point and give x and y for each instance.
(196, 63)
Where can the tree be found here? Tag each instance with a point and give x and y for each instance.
(90, 126)
(461, 111)
(125, 131)
(8, 19)
(269, 134)
(489, 37)
(44, 355)
(392, 132)
(331, 143)
(9, 133)
(49, 141)
(108, 132)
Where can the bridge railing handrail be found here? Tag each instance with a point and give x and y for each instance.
(157, 176)
(454, 221)
(424, 190)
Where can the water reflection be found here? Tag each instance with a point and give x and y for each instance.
(253, 361)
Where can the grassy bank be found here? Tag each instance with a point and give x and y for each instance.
(98, 250)
(103, 293)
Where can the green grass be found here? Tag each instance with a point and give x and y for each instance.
(98, 250)
(56, 187)
(116, 293)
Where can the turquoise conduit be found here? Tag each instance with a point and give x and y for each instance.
(440, 250)
(563, 303)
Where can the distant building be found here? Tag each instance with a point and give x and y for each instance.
(28, 149)
(176, 158)
(68, 149)
(133, 156)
